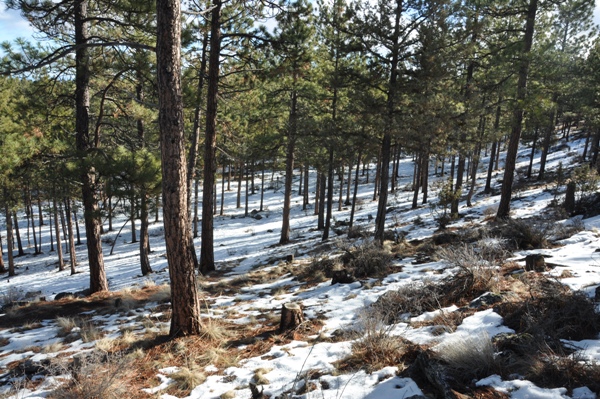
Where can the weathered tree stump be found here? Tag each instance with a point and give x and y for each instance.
(342, 277)
(291, 317)
(535, 262)
(569, 204)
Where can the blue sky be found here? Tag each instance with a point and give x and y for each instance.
(12, 25)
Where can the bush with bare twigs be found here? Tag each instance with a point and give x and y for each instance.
(94, 376)
(367, 259)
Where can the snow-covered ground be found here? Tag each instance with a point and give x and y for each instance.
(245, 244)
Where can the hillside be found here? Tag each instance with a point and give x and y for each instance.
(436, 312)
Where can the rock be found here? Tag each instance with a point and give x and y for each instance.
(342, 277)
(257, 216)
(485, 300)
(289, 258)
(62, 295)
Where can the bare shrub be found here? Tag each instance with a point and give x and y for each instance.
(526, 234)
(468, 357)
(553, 312)
(553, 369)
(94, 376)
(358, 231)
(408, 300)
(474, 277)
(368, 260)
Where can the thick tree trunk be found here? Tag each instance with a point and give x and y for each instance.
(88, 175)
(207, 252)
(185, 319)
(517, 122)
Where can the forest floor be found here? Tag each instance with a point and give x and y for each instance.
(480, 309)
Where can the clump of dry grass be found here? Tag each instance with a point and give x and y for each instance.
(408, 300)
(188, 378)
(468, 357)
(94, 376)
(376, 347)
(65, 326)
(259, 376)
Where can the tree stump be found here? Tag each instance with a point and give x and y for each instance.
(291, 317)
(569, 204)
(535, 262)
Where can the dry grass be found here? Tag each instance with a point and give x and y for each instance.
(95, 376)
(376, 347)
(187, 378)
(65, 326)
(468, 357)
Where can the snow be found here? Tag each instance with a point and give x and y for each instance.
(244, 245)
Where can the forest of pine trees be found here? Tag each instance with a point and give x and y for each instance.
(145, 104)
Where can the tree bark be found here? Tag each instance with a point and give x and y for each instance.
(84, 144)
(61, 261)
(207, 253)
(72, 253)
(329, 196)
(517, 122)
(355, 192)
(289, 162)
(185, 319)
(9, 237)
(21, 252)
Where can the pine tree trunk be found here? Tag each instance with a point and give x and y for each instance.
(329, 196)
(355, 193)
(9, 237)
(517, 122)
(305, 200)
(18, 235)
(246, 213)
(317, 193)
(239, 185)
(144, 237)
(132, 219)
(72, 254)
(262, 185)
(349, 183)
(185, 318)
(532, 154)
(289, 163)
(425, 176)
(2, 267)
(222, 210)
(207, 253)
(61, 261)
(322, 195)
(341, 193)
(88, 175)
(417, 180)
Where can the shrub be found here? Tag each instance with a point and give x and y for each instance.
(408, 300)
(94, 376)
(474, 277)
(188, 378)
(526, 234)
(367, 260)
(376, 348)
